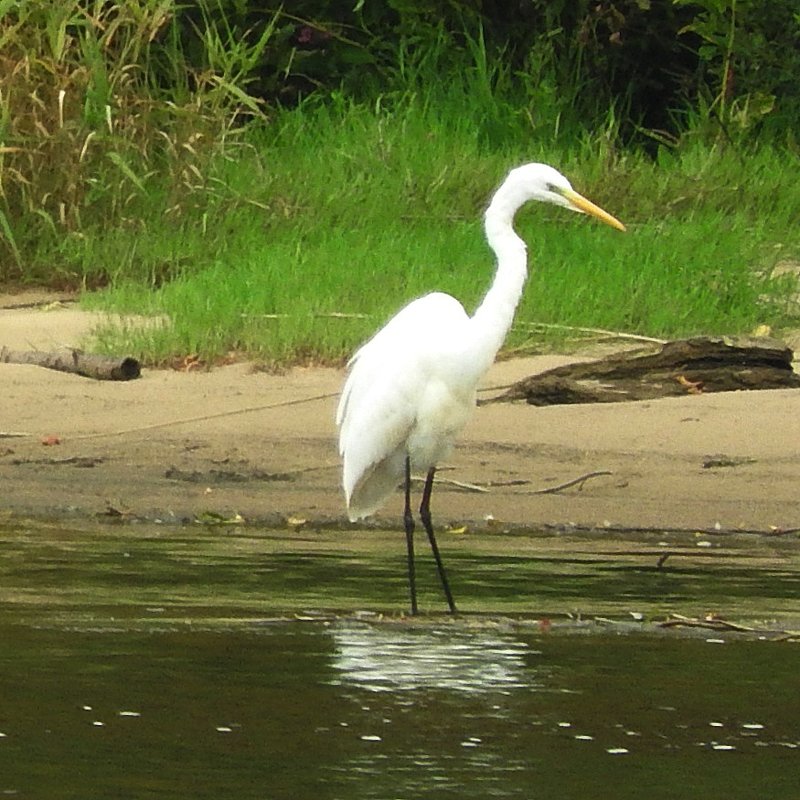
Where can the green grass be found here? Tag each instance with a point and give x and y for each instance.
(293, 235)
(351, 211)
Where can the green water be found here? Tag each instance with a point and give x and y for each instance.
(193, 663)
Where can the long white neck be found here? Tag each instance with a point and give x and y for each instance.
(493, 317)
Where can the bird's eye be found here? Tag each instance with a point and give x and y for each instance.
(551, 187)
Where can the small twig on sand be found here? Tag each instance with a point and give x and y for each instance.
(579, 481)
(467, 487)
(495, 387)
(485, 488)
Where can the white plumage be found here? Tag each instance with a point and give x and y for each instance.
(411, 388)
(404, 395)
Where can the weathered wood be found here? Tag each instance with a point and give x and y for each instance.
(104, 368)
(685, 366)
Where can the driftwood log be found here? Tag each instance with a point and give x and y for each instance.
(105, 368)
(686, 366)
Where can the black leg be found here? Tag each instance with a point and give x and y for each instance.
(425, 515)
(408, 521)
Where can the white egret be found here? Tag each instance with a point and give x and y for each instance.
(412, 386)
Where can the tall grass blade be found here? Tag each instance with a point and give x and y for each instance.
(8, 234)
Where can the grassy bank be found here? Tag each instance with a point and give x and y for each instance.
(333, 218)
(155, 182)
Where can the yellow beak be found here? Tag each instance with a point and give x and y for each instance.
(588, 207)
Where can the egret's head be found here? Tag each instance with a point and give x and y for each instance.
(547, 185)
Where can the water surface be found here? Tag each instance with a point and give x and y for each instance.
(194, 663)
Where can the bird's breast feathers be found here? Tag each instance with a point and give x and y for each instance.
(442, 411)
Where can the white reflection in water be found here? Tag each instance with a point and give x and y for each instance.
(391, 658)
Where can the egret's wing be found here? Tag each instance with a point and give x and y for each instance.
(372, 444)
(378, 406)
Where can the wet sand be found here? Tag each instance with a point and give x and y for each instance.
(232, 441)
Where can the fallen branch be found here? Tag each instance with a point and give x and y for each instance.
(680, 368)
(88, 365)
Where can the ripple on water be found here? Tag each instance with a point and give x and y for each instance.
(391, 659)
